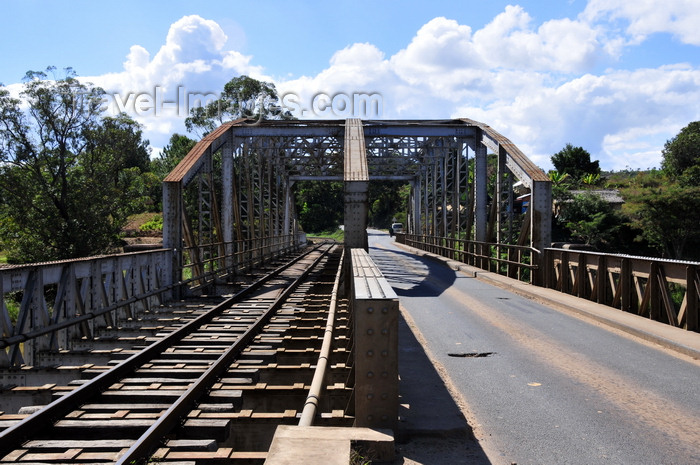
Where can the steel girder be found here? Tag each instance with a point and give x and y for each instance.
(444, 161)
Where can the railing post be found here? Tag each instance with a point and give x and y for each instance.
(691, 296)
(545, 268)
(564, 274)
(582, 276)
(602, 280)
(626, 285)
(654, 292)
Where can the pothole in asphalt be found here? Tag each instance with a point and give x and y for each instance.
(471, 354)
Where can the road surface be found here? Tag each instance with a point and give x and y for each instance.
(541, 386)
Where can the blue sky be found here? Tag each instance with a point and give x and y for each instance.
(618, 78)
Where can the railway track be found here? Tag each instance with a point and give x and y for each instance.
(215, 389)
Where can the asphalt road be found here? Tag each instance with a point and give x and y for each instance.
(542, 386)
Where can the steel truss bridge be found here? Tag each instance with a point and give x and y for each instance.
(445, 163)
(229, 209)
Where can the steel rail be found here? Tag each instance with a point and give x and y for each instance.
(18, 433)
(311, 404)
(171, 417)
(288, 245)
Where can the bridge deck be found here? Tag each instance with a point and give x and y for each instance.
(540, 382)
(536, 383)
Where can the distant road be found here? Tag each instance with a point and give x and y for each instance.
(542, 386)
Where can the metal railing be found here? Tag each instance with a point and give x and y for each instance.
(203, 264)
(662, 290)
(515, 261)
(47, 307)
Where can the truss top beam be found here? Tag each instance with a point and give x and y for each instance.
(192, 162)
(465, 129)
(355, 166)
(516, 161)
(419, 128)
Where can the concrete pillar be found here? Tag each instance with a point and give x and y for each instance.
(356, 211)
(375, 309)
(541, 218)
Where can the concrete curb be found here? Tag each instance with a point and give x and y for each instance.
(327, 445)
(676, 339)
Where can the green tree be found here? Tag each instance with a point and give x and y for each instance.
(683, 151)
(668, 218)
(319, 205)
(590, 179)
(591, 231)
(387, 200)
(114, 145)
(68, 177)
(560, 189)
(591, 219)
(690, 176)
(575, 161)
(242, 97)
(178, 147)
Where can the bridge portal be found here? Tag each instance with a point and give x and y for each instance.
(233, 192)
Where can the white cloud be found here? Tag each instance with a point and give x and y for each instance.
(530, 83)
(644, 17)
(562, 45)
(191, 61)
(605, 114)
(359, 68)
(538, 84)
(441, 45)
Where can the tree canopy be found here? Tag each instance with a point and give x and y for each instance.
(319, 205)
(683, 151)
(69, 177)
(591, 219)
(669, 218)
(242, 97)
(173, 153)
(576, 162)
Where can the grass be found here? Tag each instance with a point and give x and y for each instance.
(155, 225)
(12, 304)
(361, 457)
(337, 235)
(134, 222)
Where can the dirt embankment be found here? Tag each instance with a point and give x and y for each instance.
(136, 239)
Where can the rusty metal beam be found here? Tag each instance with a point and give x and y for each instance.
(189, 165)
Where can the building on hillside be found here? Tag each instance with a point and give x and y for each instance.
(611, 196)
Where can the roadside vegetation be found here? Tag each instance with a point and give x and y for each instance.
(337, 235)
(660, 215)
